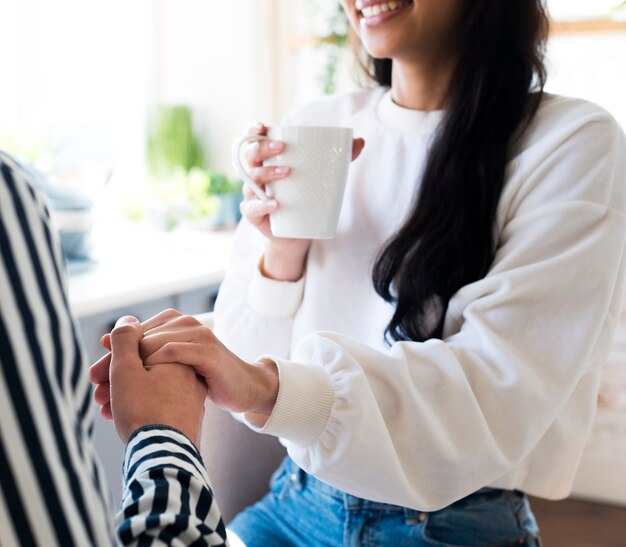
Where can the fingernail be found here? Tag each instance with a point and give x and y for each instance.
(281, 170)
(275, 145)
(254, 147)
(258, 126)
(272, 205)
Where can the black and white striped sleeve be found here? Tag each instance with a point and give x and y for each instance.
(51, 487)
(167, 495)
(51, 491)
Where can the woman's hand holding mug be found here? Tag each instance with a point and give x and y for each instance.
(285, 252)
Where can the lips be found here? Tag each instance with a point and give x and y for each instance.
(369, 8)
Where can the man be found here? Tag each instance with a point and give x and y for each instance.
(51, 486)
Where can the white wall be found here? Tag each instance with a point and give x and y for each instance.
(216, 57)
(590, 66)
(73, 80)
(81, 75)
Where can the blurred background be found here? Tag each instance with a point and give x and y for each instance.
(137, 93)
(127, 111)
(125, 92)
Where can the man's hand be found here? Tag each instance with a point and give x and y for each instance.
(169, 394)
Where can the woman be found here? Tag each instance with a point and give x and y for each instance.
(439, 358)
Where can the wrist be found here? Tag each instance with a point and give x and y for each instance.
(283, 263)
(265, 380)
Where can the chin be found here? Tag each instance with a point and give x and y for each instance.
(378, 50)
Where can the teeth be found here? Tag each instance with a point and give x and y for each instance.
(377, 9)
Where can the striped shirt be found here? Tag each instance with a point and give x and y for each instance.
(52, 490)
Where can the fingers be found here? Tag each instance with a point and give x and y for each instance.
(357, 148)
(256, 210)
(185, 353)
(156, 340)
(257, 129)
(102, 394)
(176, 323)
(265, 175)
(160, 319)
(125, 338)
(257, 152)
(105, 341)
(105, 412)
(99, 371)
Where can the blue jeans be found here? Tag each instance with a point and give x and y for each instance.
(301, 510)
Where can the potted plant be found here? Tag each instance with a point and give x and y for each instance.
(173, 152)
(228, 192)
(172, 143)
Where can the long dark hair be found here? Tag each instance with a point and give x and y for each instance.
(449, 238)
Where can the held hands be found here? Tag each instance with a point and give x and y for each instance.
(284, 258)
(164, 344)
(169, 394)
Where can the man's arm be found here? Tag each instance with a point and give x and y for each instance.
(50, 487)
(50, 491)
(167, 496)
(160, 462)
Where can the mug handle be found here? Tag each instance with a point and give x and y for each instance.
(236, 153)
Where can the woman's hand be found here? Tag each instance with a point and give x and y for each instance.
(170, 394)
(233, 384)
(284, 257)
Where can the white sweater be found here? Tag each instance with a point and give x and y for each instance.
(507, 397)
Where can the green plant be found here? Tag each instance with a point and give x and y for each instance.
(219, 184)
(172, 143)
(202, 202)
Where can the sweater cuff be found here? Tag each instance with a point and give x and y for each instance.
(155, 446)
(303, 405)
(272, 298)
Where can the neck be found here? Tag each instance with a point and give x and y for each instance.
(421, 85)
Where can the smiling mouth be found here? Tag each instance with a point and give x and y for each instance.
(371, 10)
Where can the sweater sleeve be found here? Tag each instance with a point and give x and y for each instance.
(167, 499)
(254, 314)
(424, 424)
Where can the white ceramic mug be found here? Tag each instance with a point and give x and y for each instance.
(310, 197)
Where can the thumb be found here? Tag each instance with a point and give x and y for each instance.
(125, 338)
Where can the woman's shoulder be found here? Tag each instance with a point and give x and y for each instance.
(567, 127)
(573, 151)
(558, 116)
(335, 109)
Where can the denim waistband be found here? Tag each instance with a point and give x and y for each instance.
(301, 479)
